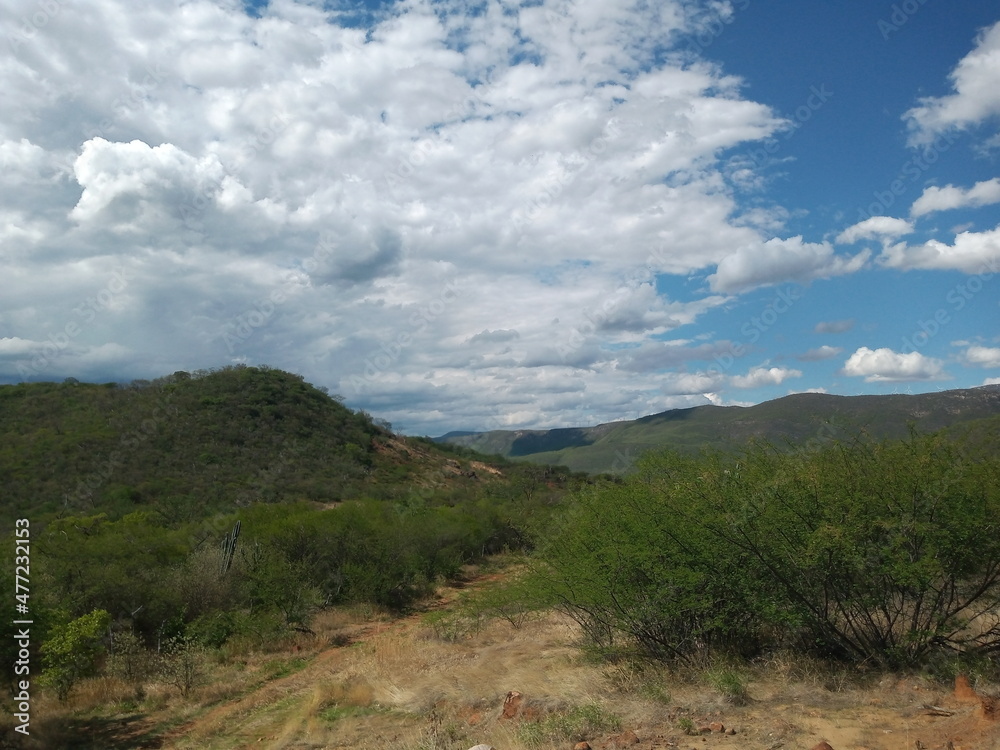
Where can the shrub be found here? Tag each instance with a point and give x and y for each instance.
(864, 551)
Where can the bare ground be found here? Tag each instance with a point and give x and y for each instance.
(440, 684)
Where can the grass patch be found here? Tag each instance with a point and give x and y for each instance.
(277, 668)
(575, 725)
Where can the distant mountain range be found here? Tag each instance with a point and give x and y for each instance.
(792, 420)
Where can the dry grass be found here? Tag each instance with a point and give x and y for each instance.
(409, 684)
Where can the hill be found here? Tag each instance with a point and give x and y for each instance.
(793, 420)
(188, 445)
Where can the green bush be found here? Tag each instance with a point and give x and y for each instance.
(72, 651)
(864, 551)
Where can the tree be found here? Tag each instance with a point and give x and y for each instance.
(72, 651)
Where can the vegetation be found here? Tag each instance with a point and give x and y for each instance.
(199, 510)
(801, 419)
(868, 552)
(184, 525)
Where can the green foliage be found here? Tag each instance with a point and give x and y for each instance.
(730, 684)
(864, 551)
(573, 725)
(184, 444)
(72, 651)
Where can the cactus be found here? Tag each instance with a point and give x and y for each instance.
(229, 548)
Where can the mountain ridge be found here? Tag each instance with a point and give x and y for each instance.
(795, 419)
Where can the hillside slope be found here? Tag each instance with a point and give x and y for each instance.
(194, 444)
(794, 420)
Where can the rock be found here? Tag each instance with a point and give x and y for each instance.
(731, 731)
(704, 729)
(964, 691)
(581, 746)
(511, 705)
(822, 746)
(482, 747)
(625, 739)
(717, 726)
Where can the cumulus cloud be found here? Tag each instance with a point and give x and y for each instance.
(426, 209)
(779, 260)
(763, 376)
(976, 93)
(948, 197)
(881, 227)
(983, 356)
(820, 353)
(886, 365)
(972, 253)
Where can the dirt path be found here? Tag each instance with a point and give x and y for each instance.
(278, 712)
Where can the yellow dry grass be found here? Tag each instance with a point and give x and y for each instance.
(412, 684)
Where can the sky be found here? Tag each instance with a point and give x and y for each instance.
(465, 215)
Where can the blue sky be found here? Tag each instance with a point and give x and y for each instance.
(505, 214)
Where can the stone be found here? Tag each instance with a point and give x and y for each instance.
(511, 705)
(482, 747)
(581, 746)
(824, 745)
(731, 731)
(625, 739)
(717, 726)
(964, 691)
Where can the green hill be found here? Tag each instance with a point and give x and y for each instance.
(189, 445)
(793, 420)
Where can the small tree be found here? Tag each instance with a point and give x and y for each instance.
(183, 665)
(72, 651)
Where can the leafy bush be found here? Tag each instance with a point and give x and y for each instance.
(863, 551)
(72, 651)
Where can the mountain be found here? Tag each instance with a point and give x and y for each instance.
(791, 420)
(187, 445)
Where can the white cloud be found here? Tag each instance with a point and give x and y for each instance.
(991, 381)
(973, 253)
(433, 213)
(976, 98)
(763, 376)
(780, 260)
(885, 365)
(983, 356)
(948, 197)
(882, 227)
